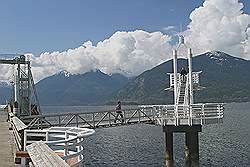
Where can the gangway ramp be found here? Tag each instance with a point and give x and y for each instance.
(200, 114)
(93, 120)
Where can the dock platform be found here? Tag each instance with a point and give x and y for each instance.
(6, 152)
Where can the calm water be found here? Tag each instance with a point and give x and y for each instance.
(226, 144)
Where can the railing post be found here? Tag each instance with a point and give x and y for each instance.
(219, 112)
(24, 140)
(41, 123)
(66, 148)
(139, 115)
(162, 115)
(191, 115)
(109, 119)
(203, 114)
(77, 124)
(78, 149)
(47, 136)
(152, 114)
(93, 117)
(59, 120)
(176, 115)
(124, 113)
(175, 75)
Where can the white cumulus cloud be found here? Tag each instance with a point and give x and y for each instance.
(216, 25)
(6, 73)
(219, 25)
(129, 53)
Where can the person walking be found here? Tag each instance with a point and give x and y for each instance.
(183, 73)
(118, 110)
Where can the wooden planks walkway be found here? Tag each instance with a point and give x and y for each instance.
(43, 156)
(6, 153)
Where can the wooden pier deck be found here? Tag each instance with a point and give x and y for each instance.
(6, 152)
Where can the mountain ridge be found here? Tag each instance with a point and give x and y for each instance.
(90, 88)
(219, 69)
(225, 78)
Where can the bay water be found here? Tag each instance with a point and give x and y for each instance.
(222, 145)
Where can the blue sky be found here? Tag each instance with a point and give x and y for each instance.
(43, 27)
(51, 25)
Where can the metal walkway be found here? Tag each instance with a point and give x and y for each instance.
(182, 91)
(91, 119)
(196, 114)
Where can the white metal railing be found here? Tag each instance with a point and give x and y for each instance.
(18, 128)
(207, 113)
(178, 92)
(67, 142)
(177, 101)
(195, 75)
(90, 119)
(186, 91)
(171, 75)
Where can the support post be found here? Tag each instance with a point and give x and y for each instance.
(190, 75)
(18, 89)
(29, 89)
(187, 145)
(192, 148)
(175, 75)
(169, 149)
(16, 93)
(77, 121)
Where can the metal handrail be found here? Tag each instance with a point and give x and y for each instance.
(186, 91)
(90, 119)
(69, 141)
(18, 127)
(195, 76)
(200, 112)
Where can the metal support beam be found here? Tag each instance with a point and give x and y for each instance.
(169, 149)
(25, 98)
(191, 144)
(14, 61)
(29, 89)
(175, 75)
(18, 89)
(190, 75)
(192, 148)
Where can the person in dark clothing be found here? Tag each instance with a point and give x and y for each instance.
(118, 110)
(183, 73)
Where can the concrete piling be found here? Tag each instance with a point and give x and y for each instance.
(169, 149)
(191, 144)
(192, 148)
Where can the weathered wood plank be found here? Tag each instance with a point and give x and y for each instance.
(6, 142)
(43, 156)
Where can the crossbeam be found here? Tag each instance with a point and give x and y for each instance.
(14, 61)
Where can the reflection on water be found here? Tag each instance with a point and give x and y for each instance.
(225, 144)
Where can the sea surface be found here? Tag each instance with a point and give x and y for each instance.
(222, 145)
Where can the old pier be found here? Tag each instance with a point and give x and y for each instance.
(29, 125)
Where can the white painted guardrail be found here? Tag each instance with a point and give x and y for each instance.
(67, 142)
(90, 119)
(195, 114)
